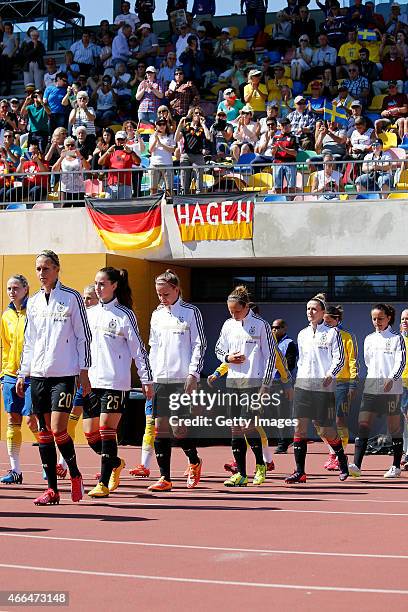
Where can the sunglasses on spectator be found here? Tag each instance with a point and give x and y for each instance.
(70, 144)
(179, 73)
(276, 326)
(160, 123)
(270, 124)
(245, 113)
(197, 113)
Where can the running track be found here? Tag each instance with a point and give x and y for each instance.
(324, 545)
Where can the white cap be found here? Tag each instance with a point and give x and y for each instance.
(121, 134)
(226, 30)
(151, 69)
(144, 25)
(298, 99)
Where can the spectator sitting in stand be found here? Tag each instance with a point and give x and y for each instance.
(223, 50)
(50, 72)
(393, 70)
(246, 133)
(358, 86)
(104, 100)
(70, 68)
(394, 110)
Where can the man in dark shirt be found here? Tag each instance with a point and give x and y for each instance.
(284, 150)
(366, 67)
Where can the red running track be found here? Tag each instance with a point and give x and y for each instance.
(329, 545)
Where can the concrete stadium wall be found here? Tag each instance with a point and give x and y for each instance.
(287, 234)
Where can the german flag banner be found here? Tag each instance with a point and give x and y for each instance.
(127, 225)
(215, 216)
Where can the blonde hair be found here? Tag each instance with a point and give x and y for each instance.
(321, 298)
(240, 295)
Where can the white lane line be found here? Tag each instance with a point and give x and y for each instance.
(237, 583)
(262, 551)
(161, 504)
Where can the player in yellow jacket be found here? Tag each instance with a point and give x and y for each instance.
(281, 366)
(12, 338)
(346, 380)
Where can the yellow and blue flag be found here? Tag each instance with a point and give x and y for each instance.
(334, 113)
(367, 35)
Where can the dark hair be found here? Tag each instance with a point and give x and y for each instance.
(240, 295)
(335, 311)
(109, 131)
(169, 277)
(49, 254)
(387, 310)
(191, 38)
(321, 298)
(123, 292)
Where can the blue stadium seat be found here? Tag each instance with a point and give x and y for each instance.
(297, 88)
(250, 32)
(275, 198)
(368, 196)
(275, 57)
(16, 206)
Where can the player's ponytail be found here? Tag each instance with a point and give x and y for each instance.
(321, 298)
(123, 292)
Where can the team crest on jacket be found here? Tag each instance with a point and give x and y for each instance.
(60, 307)
(112, 325)
(252, 330)
(388, 347)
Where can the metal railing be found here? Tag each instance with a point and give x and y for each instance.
(271, 182)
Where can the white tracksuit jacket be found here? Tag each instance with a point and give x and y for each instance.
(177, 342)
(57, 337)
(385, 358)
(253, 338)
(115, 342)
(321, 354)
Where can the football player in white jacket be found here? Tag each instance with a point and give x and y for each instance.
(321, 358)
(56, 350)
(247, 344)
(385, 358)
(116, 341)
(177, 351)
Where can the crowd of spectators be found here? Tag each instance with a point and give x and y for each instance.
(124, 99)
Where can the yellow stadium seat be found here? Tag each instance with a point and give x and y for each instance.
(389, 140)
(233, 31)
(344, 196)
(208, 181)
(376, 103)
(268, 29)
(398, 195)
(402, 184)
(310, 179)
(115, 127)
(239, 44)
(261, 181)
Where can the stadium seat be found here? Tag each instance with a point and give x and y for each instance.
(398, 195)
(389, 139)
(262, 181)
(249, 32)
(233, 31)
(43, 205)
(373, 116)
(236, 179)
(239, 45)
(402, 184)
(275, 197)
(208, 181)
(16, 206)
(274, 56)
(404, 142)
(115, 127)
(344, 196)
(297, 88)
(368, 196)
(268, 29)
(376, 103)
(308, 186)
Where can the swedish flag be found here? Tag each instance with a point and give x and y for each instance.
(367, 35)
(332, 113)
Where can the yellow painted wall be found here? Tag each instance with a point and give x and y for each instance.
(77, 271)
